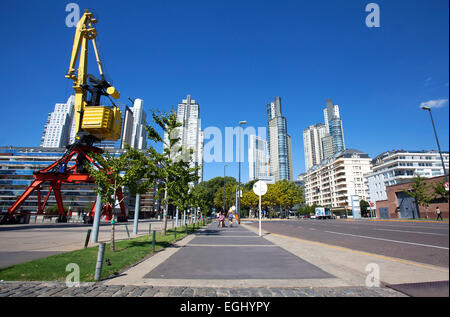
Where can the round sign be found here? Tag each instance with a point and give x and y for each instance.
(446, 186)
(260, 188)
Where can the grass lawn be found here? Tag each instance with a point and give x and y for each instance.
(127, 253)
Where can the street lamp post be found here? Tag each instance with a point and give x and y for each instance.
(437, 140)
(241, 123)
(224, 186)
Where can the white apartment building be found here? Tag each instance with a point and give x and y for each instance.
(312, 144)
(396, 167)
(59, 131)
(191, 134)
(337, 178)
(139, 136)
(258, 158)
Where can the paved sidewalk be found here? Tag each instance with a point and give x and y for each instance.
(39, 289)
(213, 262)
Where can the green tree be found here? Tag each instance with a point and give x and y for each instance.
(229, 199)
(420, 191)
(205, 192)
(364, 205)
(131, 169)
(173, 162)
(287, 195)
(439, 192)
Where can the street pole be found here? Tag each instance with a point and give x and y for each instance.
(437, 141)
(136, 214)
(224, 186)
(259, 215)
(96, 224)
(239, 161)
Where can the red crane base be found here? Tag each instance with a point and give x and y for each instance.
(57, 174)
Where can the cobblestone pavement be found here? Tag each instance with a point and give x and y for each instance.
(53, 289)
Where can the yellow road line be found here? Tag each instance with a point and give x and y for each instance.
(393, 220)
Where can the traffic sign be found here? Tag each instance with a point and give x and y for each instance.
(260, 188)
(446, 186)
(372, 205)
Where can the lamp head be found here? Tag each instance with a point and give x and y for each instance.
(242, 122)
(425, 108)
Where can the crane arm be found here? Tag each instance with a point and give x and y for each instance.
(84, 33)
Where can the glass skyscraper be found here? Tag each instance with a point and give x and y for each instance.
(335, 138)
(280, 154)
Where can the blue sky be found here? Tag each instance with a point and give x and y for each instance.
(234, 57)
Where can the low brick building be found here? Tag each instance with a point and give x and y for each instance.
(400, 205)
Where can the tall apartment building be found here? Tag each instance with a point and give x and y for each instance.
(397, 167)
(59, 130)
(280, 151)
(312, 144)
(333, 141)
(190, 133)
(258, 158)
(337, 179)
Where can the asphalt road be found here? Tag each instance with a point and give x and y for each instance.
(421, 242)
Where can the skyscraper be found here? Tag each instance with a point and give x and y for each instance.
(258, 158)
(280, 154)
(59, 130)
(312, 144)
(191, 134)
(335, 138)
(133, 131)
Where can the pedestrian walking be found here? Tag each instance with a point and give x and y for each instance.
(438, 212)
(222, 219)
(230, 217)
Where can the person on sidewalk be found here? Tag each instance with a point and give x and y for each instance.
(221, 219)
(230, 217)
(438, 211)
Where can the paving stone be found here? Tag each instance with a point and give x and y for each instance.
(176, 291)
(163, 292)
(34, 289)
(276, 292)
(149, 292)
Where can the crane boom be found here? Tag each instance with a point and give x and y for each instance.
(92, 121)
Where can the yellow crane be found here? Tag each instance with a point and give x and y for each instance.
(93, 122)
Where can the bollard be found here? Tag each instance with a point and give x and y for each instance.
(87, 238)
(153, 240)
(98, 267)
(128, 232)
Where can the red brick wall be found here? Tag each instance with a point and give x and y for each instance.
(392, 204)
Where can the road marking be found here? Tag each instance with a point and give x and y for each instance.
(330, 246)
(435, 234)
(437, 268)
(404, 242)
